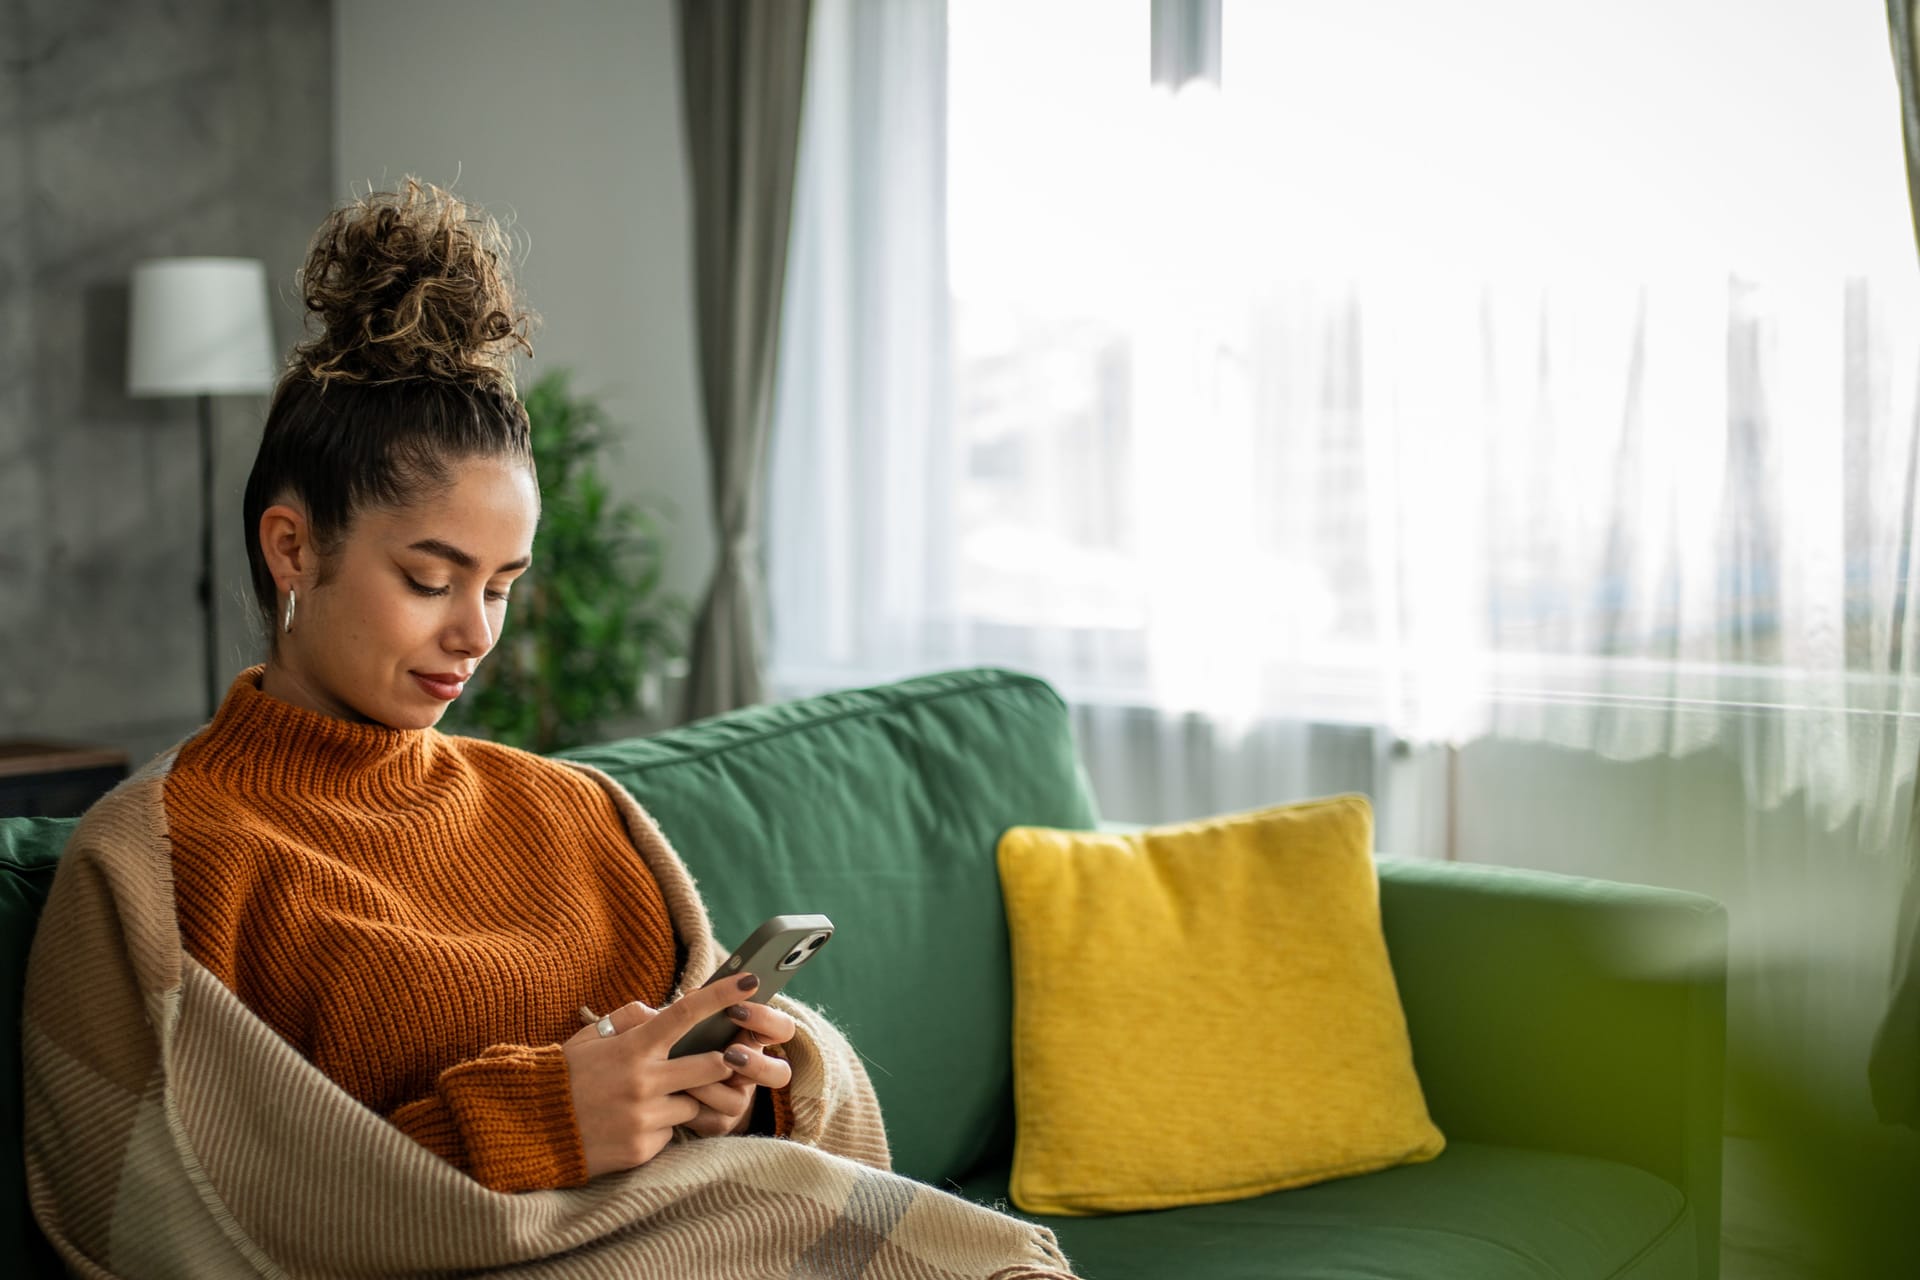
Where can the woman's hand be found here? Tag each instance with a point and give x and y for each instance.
(727, 1107)
(628, 1094)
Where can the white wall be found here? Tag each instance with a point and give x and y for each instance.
(563, 116)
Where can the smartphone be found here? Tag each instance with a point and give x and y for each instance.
(772, 952)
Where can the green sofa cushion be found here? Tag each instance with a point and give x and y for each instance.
(881, 808)
(29, 849)
(1479, 1211)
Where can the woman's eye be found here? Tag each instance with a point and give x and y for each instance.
(421, 588)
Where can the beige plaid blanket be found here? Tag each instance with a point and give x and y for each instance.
(169, 1132)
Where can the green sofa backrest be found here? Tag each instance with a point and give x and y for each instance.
(879, 807)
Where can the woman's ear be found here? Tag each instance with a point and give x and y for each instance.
(286, 542)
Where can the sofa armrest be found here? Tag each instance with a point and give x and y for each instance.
(1568, 1014)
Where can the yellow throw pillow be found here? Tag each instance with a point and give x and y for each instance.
(1204, 1012)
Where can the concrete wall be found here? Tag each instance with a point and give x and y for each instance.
(563, 117)
(130, 131)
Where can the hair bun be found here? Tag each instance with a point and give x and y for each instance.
(411, 284)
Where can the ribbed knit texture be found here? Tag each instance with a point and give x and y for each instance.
(422, 916)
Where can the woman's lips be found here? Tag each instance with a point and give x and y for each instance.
(442, 687)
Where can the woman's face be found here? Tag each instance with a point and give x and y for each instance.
(416, 598)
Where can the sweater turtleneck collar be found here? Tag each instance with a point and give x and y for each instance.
(257, 741)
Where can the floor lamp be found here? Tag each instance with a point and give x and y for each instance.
(199, 327)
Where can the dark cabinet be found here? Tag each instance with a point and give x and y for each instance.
(55, 779)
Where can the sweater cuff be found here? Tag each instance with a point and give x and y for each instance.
(513, 1106)
(779, 1113)
(782, 1100)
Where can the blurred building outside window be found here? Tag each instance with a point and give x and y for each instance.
(1514, 367)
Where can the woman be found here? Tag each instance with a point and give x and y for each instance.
(327, 956)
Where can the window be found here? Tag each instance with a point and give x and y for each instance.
(1413, 378)
(1438, 339)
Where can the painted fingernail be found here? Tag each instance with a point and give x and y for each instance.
(748, 981)
(738, 1012)
(735, 1056)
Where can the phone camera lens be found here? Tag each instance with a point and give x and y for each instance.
(793, 957)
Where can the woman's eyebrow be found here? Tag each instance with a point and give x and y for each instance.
(447, 551)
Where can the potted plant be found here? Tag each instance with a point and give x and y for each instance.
(591, 621)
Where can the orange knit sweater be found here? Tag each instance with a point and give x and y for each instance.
(422, 916)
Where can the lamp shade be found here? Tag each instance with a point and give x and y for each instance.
(198, 326)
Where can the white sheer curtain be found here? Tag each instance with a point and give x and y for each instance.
(880, 562)
(1545, 371)
(864, 476)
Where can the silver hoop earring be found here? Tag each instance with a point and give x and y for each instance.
(286, 623)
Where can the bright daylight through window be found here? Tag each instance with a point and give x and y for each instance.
(1546, 370)
(1399, 370)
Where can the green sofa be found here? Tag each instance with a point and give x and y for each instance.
(1568, 1033)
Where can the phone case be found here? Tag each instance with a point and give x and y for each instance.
(763, 953)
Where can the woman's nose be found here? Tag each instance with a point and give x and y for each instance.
(473, 633)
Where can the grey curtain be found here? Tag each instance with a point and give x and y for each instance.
(1894, 1068)
(743, 65)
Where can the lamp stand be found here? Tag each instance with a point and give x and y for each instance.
(206, 553)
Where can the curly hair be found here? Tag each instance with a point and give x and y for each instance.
(411, 372)
(408, 284)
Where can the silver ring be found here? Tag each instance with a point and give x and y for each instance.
(604, 1026)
